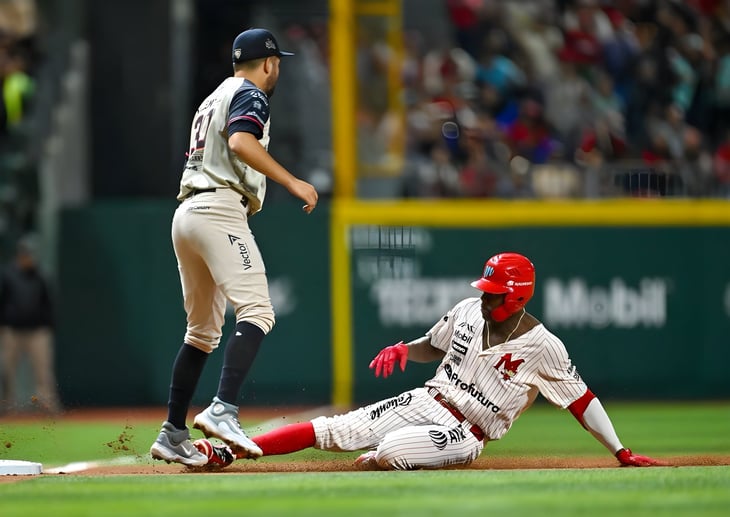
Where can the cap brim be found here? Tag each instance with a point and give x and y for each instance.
(284, 53)
(489, 287)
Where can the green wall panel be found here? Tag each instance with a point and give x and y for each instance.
(121, 319)
(644, 312)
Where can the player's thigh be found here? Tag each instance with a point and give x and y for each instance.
(427, 446)
(204, 303)
(221, 237)
(367, 426)
(240, 272)
(241, 276)
(217, 231)
(350, 431)
(226, 244)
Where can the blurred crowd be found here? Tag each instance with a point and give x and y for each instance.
(571, 98)
(18, 175)
(25, 301)
(512, 99)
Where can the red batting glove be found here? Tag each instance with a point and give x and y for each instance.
(628, 458)
(387, 357)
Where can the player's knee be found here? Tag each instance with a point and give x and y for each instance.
(261, 316)
(392, 460)
(204, 342)
(265, 321)
(390, 456)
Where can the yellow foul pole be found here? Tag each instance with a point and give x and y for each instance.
(344, 92)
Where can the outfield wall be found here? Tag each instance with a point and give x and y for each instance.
(644, 312)
(121, 317)
(643, 309)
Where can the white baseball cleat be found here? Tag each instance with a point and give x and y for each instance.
(220, 420)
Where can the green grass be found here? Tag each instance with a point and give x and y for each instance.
(58, 442)
(660, 428)
(687, 491)
(652, 429)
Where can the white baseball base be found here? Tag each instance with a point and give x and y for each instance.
(19, 468)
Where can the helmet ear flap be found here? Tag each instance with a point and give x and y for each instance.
(500, 313)
(512, 304)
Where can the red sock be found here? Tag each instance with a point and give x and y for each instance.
(286, 439)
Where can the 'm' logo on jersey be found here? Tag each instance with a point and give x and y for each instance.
(509, 367)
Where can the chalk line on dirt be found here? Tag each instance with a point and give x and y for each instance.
(80, 466)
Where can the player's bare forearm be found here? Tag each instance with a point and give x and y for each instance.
(249, 150)
(589, 411)
(421, 351)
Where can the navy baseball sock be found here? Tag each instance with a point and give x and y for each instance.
(186, 372)
(241, 350)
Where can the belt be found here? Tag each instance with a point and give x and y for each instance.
(195, 192)
(438, 397)
(199, 191)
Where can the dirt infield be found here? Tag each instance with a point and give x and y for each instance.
(146, 466)
(346, 465)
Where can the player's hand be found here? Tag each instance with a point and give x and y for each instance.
(306, 193)
(628, 458)
(385, 360)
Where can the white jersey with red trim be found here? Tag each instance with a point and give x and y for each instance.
(493, 387)
(490, 388)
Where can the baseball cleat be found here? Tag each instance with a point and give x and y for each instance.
(218, 455)
(174, 445)
(220, 420)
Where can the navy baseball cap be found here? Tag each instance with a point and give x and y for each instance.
(255, 44)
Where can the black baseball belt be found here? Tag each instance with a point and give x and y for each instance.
(195, 192)
(438, 397)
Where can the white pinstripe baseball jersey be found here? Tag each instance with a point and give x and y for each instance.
(493, 387)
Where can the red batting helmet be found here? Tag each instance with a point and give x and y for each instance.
(511, 274)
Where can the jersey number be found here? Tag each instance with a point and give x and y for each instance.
(200, 131)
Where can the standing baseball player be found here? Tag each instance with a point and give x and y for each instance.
(222, 185)
(495, 358)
